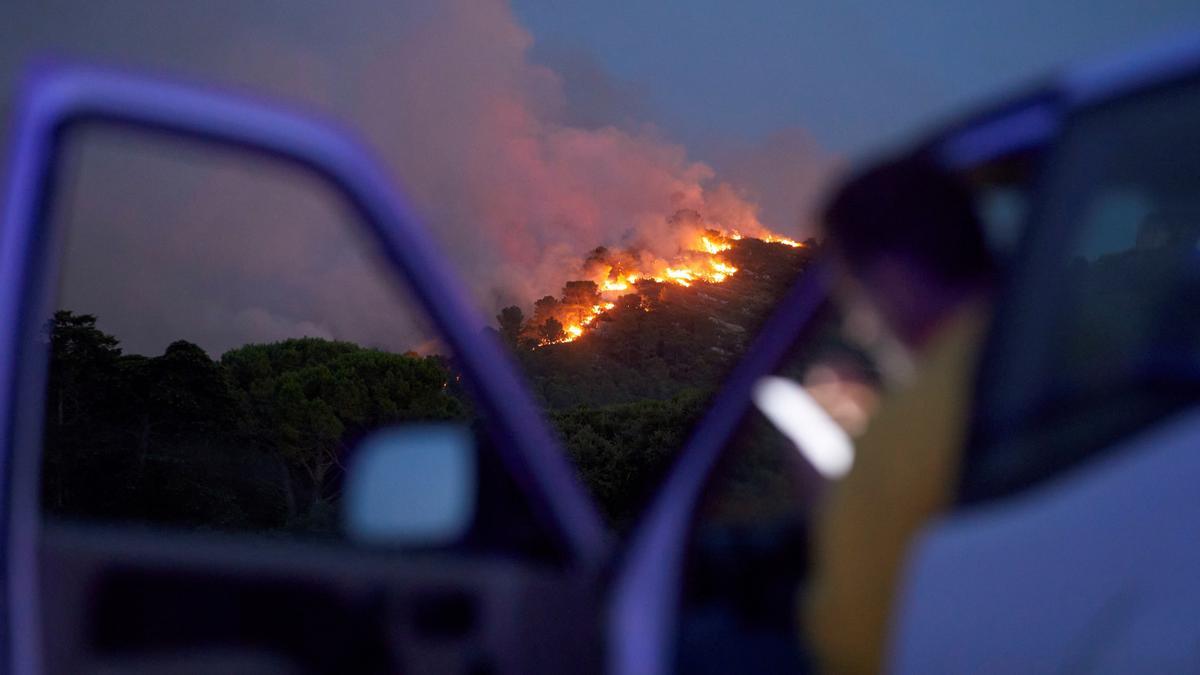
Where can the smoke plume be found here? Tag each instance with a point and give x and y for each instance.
(486, 142)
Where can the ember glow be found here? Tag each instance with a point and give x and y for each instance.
(574, 331)
(714, 247)
(609, 276)
(774, 239)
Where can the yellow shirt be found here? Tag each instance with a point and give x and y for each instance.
(905, 471)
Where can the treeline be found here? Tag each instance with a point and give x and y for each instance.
(622, 451)
(256, 440)
(253, 440)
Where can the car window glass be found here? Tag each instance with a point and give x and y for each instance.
(1099, 340)
(747, 550)
(1002, 196)
(1002, 210)
(773, 469)
(226, 340)
(1130, 267)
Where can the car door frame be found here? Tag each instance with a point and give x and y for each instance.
(642, 614)
(55, 98)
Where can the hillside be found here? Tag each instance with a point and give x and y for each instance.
(258, 438)
(662, 338)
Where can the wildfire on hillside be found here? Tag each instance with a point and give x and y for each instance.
(629, 277)
(775, 239)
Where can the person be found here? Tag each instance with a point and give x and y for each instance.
(914, 278)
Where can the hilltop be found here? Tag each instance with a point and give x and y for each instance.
(662, 338)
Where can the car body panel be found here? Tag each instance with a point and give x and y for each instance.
(1093, 572)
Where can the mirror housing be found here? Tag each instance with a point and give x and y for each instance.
(412, 486)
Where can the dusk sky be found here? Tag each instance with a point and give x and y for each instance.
(526, 134)
(854, 73)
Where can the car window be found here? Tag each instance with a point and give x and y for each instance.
(1100, 339)
(1002, 190)
(766, 475)
(748, 544)
(625, 360)
(225, 340)
(227, 345)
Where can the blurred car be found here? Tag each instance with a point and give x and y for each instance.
(1077, 519)
(1073, 539)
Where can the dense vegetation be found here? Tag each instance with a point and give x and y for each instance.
(257, 438)
(620, 450)
(252, 440)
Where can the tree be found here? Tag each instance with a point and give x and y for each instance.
(545, 308)
(622, 451)
(80, 356)
(510, 319)
(307, 401)
(581, 294)
(79, 400)
(182, 393)
(551, 331)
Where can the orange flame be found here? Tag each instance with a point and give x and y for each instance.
(574, 331)
(775, 239)
(710, 246)
(618, 274)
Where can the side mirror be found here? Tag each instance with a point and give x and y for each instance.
(411, 486)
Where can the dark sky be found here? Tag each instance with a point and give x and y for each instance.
(526, 134)
(854, 73)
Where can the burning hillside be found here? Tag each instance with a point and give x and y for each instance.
(632, 280)
(661, 335)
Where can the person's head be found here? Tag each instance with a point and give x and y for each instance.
(912, 247)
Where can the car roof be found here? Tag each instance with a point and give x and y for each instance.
(1032, 117)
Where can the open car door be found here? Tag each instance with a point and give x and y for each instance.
(449, 536)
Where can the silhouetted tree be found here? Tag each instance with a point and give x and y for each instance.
(510, 319)
(551, 331)
(81, 358)
(308, 399)
(581, 293)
